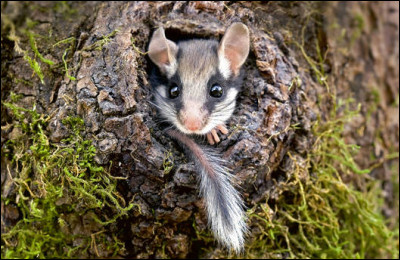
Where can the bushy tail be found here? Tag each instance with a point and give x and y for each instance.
(223, 203)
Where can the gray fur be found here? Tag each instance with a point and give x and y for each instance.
(196, 62)
(224, 205)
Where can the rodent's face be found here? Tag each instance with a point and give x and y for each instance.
(198, 93)
(198, 80)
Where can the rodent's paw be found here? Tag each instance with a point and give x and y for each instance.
(213, 137)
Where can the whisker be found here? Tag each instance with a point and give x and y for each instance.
(154, 104)
(220, 109)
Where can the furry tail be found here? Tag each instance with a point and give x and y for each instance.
(223, 203)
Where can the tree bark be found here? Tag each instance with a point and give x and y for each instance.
(280, 100)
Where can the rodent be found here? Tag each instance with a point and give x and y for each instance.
(195, 85)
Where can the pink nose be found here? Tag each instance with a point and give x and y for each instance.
(192, 123)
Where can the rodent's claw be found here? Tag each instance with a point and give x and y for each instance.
(210, 139)
(223, 129)
(213, 137)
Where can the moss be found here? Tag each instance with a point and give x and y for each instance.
(105, 39)
(317, 214)
(358, 26)
(48, 174)
(36, 51)
(54, 181)
(373, 102)
(27, 29)
(296, 82)
(168, 162)
(321, 216)
(65, 8)
(65, 64)
(17, 40)
(98, 45)
(27, 55)
(32, 61)
(394, 223)
(136, 48)
(28, 83)
(396, 101)
(68, 40)
(71, 42)
(35, 67)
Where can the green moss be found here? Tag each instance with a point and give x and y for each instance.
(373, 103)
(16, 80)
(136, 48)
(65, 8)
(358, 26)
(320, 216)
(65, 64)
(168, 162)
(35, 67)
(36, 51)
(105, 39)
(32, 61)
(296, 82)
(17, 40)
(98, 45)
(395, 184)
(15, 97)
(396, 101)
(27, 30)
(54, 181)
(317, 214)
(71, 42)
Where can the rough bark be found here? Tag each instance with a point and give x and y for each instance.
(111, 93)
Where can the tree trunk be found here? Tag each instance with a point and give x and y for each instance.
(306, 60)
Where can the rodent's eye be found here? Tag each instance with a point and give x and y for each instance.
(174, 91)
(216, 91)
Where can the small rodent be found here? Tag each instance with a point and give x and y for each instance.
(195, 87)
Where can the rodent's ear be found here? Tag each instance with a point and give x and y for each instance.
(162, 51)
(235, 46)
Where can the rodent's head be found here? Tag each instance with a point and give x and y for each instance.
(199, 79)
